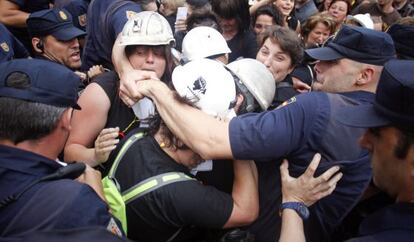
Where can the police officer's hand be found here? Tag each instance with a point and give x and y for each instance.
(105, 143)
(300, 86)
(92, 178)
(128, 89)
(81, 75)
(307, 188)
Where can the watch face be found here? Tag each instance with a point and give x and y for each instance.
(303, 211)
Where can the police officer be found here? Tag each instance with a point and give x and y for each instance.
(296, 131)
(78, 10)
(14, 13)
(390, 140)
(10, 46)
(106, 18)
(36, 102)
(55, 38)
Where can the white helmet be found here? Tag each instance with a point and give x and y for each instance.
(257, 78)
(147, 28)
(208, 85)
(364, 19)
(202, 42)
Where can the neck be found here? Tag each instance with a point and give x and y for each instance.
(41, 147)
(229, 34)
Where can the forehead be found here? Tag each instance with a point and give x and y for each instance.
(273, 46)
(339, 4)
(264, 18)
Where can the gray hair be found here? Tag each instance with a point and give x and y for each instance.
(22, 120)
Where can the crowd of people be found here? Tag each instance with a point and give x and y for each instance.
(206, 120)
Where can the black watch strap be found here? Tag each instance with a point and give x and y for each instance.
(300, 208)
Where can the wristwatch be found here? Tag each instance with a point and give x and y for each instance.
(299, 207)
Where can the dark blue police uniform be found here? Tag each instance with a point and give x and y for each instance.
(392, 223)
(76, 8)
(296, 131)
(60, 204)
(106, 18)
(10, 47)
(28, 6)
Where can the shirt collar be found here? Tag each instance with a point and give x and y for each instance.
(25, 161)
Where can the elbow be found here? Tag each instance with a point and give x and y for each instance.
(251, 216)
(248, 216)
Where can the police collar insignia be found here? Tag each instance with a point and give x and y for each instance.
(287, 102)
(5, 47)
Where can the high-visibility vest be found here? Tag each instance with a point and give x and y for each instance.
(117, 200)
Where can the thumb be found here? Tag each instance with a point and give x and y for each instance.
(284, 171)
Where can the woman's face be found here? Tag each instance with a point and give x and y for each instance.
(262, 22)
(149, 58)
(318, 35)
(285, 6)
(278, 62)
(338, 10)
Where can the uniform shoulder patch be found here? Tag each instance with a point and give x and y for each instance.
(287, 102)
(82, 20)
(130, 14)
(5, 47)
(113, 227)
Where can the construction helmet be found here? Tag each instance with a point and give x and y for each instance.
(147, 28)
(208, 85)
(203, 42)
(257, 78)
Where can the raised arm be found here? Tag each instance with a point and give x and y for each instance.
(257, 4)
(11, 15)
(204, 134)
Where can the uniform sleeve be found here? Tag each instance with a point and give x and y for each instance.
(19, 50)
(274, 134)
(330, 211)
(62, 204)
(203, 206)
(20, 3)
(121, 16)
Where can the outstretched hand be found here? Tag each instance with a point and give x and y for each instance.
(128, 89)
(105, 143)
(307, 188)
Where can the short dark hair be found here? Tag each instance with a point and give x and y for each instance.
(269, 10)
(202, 19)
(288, 41)
(404, 143)
(237, 9)
(157, 124)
